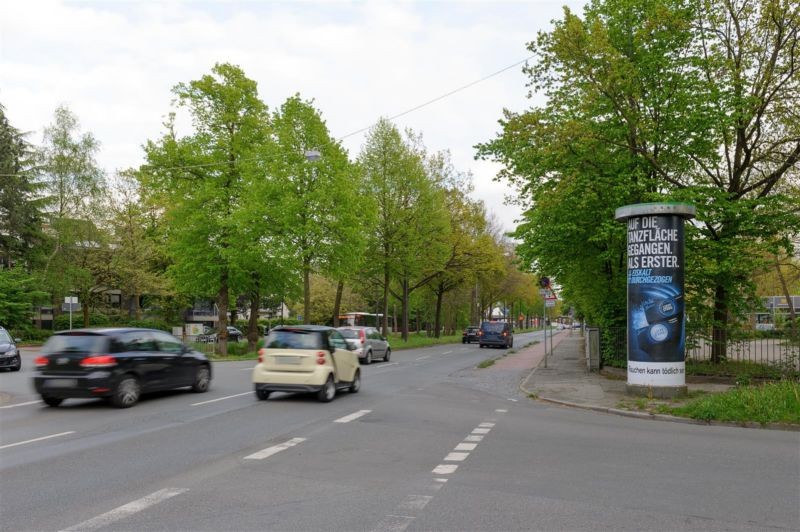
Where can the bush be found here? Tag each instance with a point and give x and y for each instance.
(31, 334)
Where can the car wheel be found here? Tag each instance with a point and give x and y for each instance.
(18, 366)
(262, 394)
(52, 401)
(463, 341)
(202, 379)
(388, 355)
(356, 385)
(368, 358)
(328, 391)
(127, 392)
(480, 345)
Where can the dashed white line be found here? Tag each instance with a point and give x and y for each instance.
(414, 502)
(444, 469)
(441, 480)
(466, 447)
(423, 357)
(447, 352)
(221, 399)
(37, 439)
(473, 437)
(481, 431)
(394, 523)
(486, 425)
(351, 417)
(501, 410)
(126, 510)
(269, 451)
(456, 457)
(21, 404)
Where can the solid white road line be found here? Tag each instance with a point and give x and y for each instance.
(456, 457)
(37, 439)
(269, 451)
(351, 417)
(21, 404)
(465, 447)
(126, 510)
(444, 469)
(221, 399)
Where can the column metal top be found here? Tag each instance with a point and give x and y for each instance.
(684, 210)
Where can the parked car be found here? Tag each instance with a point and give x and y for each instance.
(496, 333)
(368, 342)
(9, 354)
(209, 335)
(116, 363)
(470, 335)
(306, 359)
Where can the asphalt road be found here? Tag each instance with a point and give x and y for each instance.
(429, 443)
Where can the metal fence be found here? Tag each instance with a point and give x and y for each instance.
(779, 349)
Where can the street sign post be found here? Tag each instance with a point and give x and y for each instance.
(71, 303)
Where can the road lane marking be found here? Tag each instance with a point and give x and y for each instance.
(37, 439)
(456, 457)
(351, 417)
(245, 369)
(22, 404)
(465, 447)
(126, 510)
(501, 410)
(512, 400)
(473, 437)
(486, 425)
(269, 451)
(221, 399)
(394, 523)
(480, 431)
(445, 469)
(423, 357)
(447, 352)
(414, 502)
(386, 365)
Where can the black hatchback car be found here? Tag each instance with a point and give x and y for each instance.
(119, 364)
(496, 333)
(470, 335)
(9, 354)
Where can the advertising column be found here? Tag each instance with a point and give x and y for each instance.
(656, 322)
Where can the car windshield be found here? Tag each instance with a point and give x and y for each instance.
(81, 343)
(493, 327)
(4, 337)
(293, 339)
(349, 333)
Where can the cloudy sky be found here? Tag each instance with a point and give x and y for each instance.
(113, 63)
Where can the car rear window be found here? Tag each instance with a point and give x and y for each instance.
(79, 343)
(349, 333)
(293, 339)
(493, 327)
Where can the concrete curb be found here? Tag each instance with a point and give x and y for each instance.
(648, 415)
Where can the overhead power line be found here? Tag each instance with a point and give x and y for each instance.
(393, 117)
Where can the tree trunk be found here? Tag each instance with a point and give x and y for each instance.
(85, 307)
(252, 325)
(438, 319)
(137, 309)
(337, 303)
(404, 309)
(306, 289)
(222, 308)
(719, 333)
(385, 319)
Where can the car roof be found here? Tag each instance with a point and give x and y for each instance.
(302, 328)
(356, 327)
(108, 330)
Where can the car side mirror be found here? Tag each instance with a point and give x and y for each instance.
(17, 340)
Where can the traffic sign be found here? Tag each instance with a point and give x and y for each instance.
(549, 302)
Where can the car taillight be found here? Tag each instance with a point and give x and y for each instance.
(505, 333)
(362, 336)
(480, 333)
(261, 355)
(99, 361)
(321, 358)
(40, 362)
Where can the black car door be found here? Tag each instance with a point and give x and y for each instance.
(178, 369)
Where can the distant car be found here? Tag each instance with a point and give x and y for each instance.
(470, 335)
(209, 335)
(306, 359)
(9, 354)
(496, 333)
(119, 364)
(368, 342)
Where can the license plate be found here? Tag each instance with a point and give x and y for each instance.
(62, 383)
(287, 360)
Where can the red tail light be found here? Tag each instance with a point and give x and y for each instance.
(321, 358)
(99, 361)
(480, 333)
(505, 333)
(362, 336)
(40, 362)
(261, 355)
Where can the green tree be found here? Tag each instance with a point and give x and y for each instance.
(202, 179)
(21, 213)
(320, 211)
(20, 293)
(652, 100)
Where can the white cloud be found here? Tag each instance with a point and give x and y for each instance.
(114, 65)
